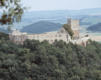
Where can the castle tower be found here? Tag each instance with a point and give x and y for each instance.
(75, 27)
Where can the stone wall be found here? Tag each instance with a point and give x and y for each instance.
(18, 37)
(75, 27)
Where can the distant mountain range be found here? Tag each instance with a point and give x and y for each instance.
(45, 14)
(95, 28)
(87, 17)
(60, 15)
(41, 27)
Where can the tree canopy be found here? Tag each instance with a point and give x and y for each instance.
(43, 61)
(68, 29)
(12, 11)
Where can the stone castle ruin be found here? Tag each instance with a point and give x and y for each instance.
(74, 24)
(19, 37)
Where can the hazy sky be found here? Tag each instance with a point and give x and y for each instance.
(61, 4)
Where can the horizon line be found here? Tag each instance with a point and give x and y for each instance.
(64, 9)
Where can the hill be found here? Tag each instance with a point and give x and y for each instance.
(60, 15)
(90, 20)
(87, 16)
(43, 61)
(95, 28)
(41, 26)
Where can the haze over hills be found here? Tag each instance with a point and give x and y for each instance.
(41, 27)
(95, 28)
(61, 16)
(90, 20)
(86, 16)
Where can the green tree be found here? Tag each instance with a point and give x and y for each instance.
(68, 29)
(11, 12)
(43, 61)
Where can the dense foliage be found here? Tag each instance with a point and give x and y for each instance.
(4, 36)
(11, 11)
(43, 61)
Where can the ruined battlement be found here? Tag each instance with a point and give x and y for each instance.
(19, 37)
(75, 26)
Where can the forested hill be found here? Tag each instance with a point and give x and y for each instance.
(4, 36)
(95, 28)
(41, 27)
(43, 61)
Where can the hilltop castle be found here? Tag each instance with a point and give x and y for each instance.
(18, 37)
